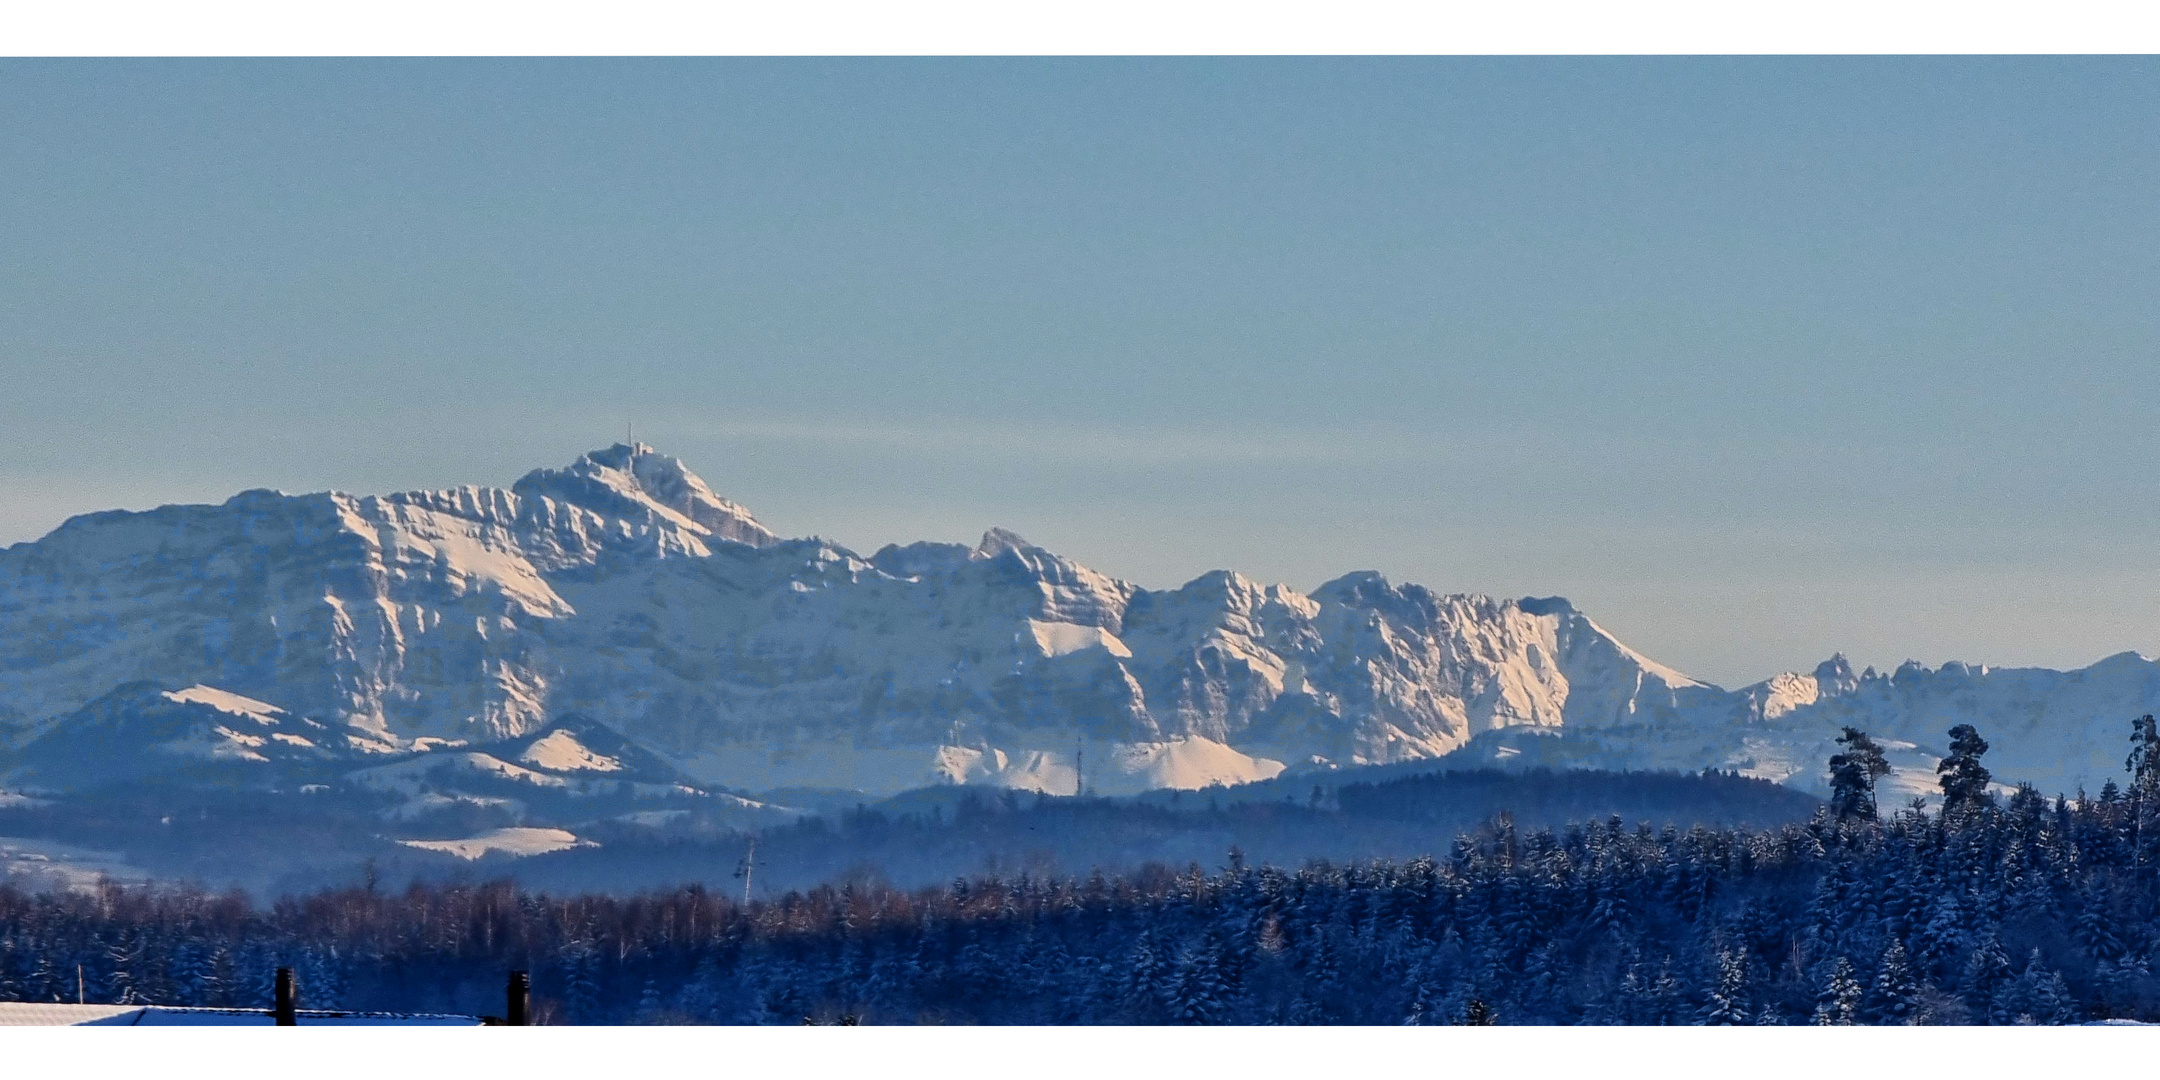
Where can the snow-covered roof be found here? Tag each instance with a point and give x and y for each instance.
(37, 1014)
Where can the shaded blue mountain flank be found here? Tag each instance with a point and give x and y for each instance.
(622, 588)
(921, 559)
(1546, 798)
(630, 761)
(646, 832)
(1546, 605)
(929, 836)
(140, 732)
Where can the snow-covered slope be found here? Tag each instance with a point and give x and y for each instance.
(406, 614)
(139, 732)
(700, 646)
(513, 841)
(2057, 729)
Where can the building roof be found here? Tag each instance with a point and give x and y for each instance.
(38, 1014)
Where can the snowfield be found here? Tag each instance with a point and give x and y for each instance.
(512, 841)
(288, 633)
(562, 752)
(49, 864)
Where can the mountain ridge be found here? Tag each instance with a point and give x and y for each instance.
(623, 588)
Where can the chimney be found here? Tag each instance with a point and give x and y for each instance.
(285, 1004)
(520, 998)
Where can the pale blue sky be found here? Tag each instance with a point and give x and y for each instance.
(1754, 358)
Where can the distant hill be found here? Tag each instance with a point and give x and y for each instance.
(930, 841)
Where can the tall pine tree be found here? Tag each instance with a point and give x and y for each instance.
(1853, 774)
(1964, 780)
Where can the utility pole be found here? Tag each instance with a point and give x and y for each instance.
(1079, 770)
(749, 866)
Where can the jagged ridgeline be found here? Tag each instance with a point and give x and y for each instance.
(299, 640)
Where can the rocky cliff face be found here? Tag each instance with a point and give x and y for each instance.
(2057, 729)
(403, 614)
(624, 590)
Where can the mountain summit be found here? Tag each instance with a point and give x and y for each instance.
(635, 482)
(623, 590)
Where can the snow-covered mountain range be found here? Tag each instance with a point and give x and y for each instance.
(373, 637)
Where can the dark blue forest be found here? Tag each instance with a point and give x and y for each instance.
(1990, 910)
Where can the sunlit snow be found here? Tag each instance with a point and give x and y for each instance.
(562, 752)
(623, 589)
(226, 701)
(510, 841)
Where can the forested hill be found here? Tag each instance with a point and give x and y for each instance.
(941, 834)
(2022, 913)
(275, 845)
(1549, 798)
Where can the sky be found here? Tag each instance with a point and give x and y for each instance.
(1755, 359)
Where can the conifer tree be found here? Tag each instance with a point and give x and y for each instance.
(1853, 774)
(1941, 935)
(2121, 983)
(319, 972)
(2041, 995)
(1987, 972)
(255, 982)
(193, 980)
(1895, 996)
(12, 970)
(1839, 1000)
(1147, 979)
(579, 982)
(699, 998)
(1728, 1002)
(120, 976)
(1964, 780)
(2144, 766)
(1196, 992)
(1667, 995)
(1425, 996)
(218, 982)
(2144, 760)
(2094, 929)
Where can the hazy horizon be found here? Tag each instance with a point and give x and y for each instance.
(1752, 359)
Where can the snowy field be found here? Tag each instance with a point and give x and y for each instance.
(48, 864)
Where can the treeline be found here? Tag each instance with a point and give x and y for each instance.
(933, 836)
(275, 844)
(2023, 910)
(2031, 912)
(1463, 799)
